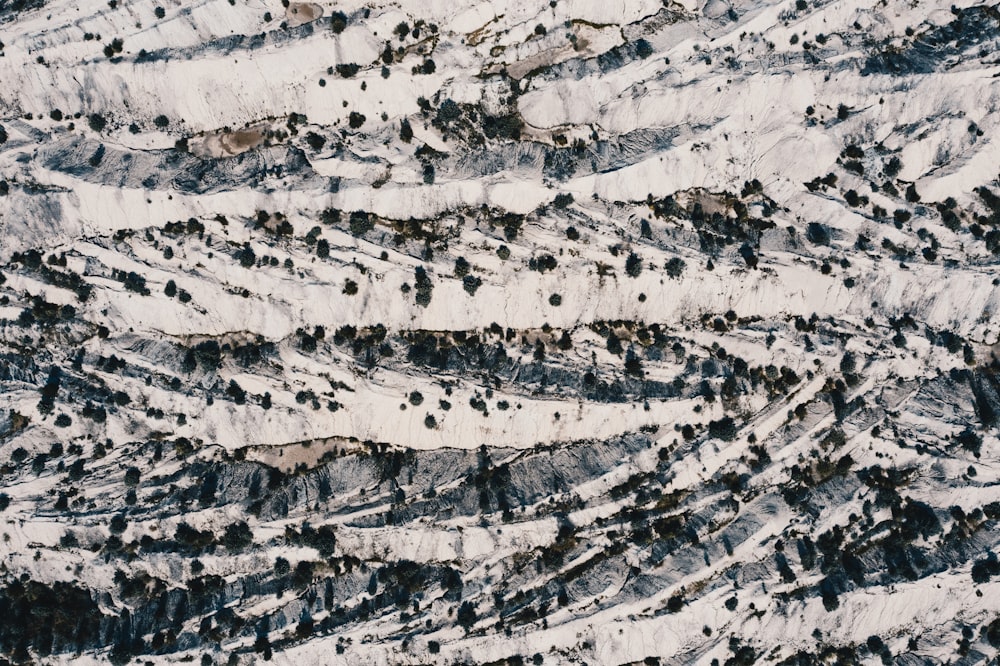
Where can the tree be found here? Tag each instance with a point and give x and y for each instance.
(817, 234)
(263, 646)
(361, 222)
(50, 390)
(324, 540)
(132, 476)
(118, 524)
(303, 573)
(356, 120)
(247, 257)
(237, 537)
(423, 287)
(96, 122)
(338, 22)
(674, 267)
(466, 615)
(304, 628)
(724, 429)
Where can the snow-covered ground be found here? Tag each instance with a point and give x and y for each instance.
(501, 332)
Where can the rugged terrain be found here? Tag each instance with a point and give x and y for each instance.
(427, 332)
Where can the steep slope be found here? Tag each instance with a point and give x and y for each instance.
(499, 332)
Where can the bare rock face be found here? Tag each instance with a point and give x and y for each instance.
(499, 332)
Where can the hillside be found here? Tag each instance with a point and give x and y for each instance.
(499, 332)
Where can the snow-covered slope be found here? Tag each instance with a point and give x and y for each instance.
(499, 332)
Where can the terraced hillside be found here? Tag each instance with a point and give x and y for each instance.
(499, 332)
